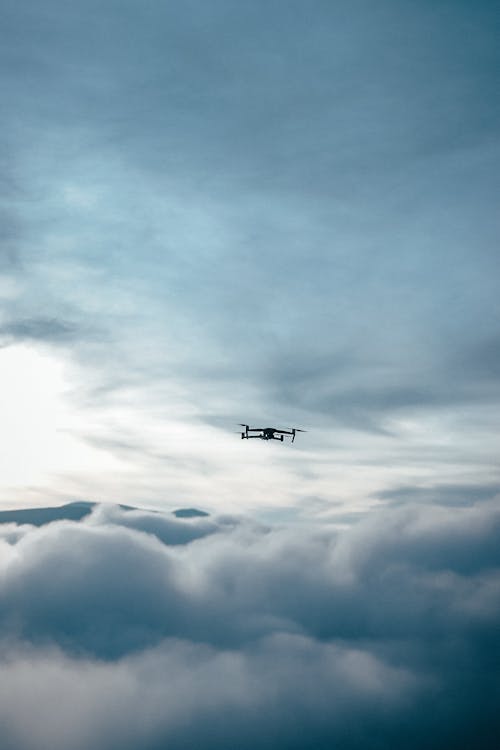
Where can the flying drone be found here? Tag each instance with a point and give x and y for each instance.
(268, 433)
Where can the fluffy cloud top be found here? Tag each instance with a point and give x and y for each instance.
(132, 629)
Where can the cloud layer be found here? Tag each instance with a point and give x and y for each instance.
(132, 629)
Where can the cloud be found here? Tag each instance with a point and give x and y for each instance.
(262, 208)
(444, 494)
(169, 530)
(38, 329)
(240, 634)
(279, 693)
(9, 256)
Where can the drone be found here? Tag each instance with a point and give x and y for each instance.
(268, 433)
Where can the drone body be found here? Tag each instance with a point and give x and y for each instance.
(268, 433)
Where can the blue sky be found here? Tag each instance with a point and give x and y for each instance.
(249, 212)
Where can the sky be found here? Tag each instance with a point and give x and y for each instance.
(275, 213)
(270, 213)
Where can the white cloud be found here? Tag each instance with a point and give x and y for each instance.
(242, 634)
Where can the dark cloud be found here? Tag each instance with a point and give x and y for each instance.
(481, 360)
(8, 259)
(9, 254)
(320, 172)
(39, 329)
(382, 635)
(11, 226)
(164, 67)
(363, 389)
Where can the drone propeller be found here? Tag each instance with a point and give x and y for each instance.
(294, 430)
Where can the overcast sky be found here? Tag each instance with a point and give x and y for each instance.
(280, 213)
(277, 213)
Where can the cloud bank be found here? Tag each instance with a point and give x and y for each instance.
(133, 629)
